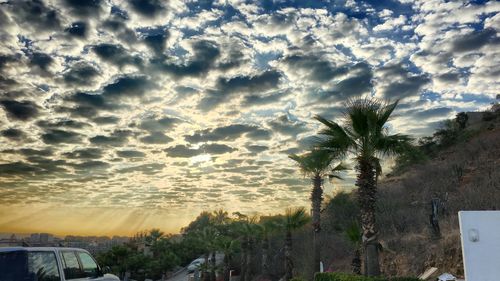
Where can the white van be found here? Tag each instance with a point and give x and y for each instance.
(49, 264)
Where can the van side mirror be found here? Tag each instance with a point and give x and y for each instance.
(105, 269)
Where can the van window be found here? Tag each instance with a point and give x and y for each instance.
(71, 266)
(88, 264)
(43, 265)
(13, 266)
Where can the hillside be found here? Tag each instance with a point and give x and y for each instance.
(460, 171)
(464, 176)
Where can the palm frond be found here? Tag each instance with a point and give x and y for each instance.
(296, 218)
(393, 144)
(385, 113)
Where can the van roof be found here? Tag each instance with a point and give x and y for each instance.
(32, 249)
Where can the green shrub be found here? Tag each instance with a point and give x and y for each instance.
(299, 278)
(327, 276)
(404, 279)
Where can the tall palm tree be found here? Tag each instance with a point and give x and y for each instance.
(365, 134)
(317, 164)
(293, 220)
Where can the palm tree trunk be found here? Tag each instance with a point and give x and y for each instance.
(367, 196)
(316, 199)
(227, 261)
(248, 260)
(206, 276)
(243, 260)
(265, 256)
(212, 271)
(288, 256)
(356, 262)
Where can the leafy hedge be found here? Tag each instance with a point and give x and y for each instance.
(328, 276)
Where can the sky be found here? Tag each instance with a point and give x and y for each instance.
(118, 116)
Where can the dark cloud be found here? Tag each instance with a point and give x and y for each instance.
(234, 59)
(67, 123)
(86, 153)
(92, 165)
(151, 124)
(259, 134)
(84, 7)
(7, 59)
(41, 61)
(407, 83)
(88, 105)
(285, 126)
(149, 8)
(90, 102)
(449, 77)
(204, 57)
(116, 54)
(215, 148)
(257, 148)
(256, 99)
(475, 40)
(102, 120)
(117, 138)
(155, 39)
(55, 136)
(181, 151)
(130, 154)
(13, 134)
(36, 152)
(411, 86)
(81, 73)
(225, 87)
(186, 152)
(20, 110)
(17, 169)
(77, 29)
(317, 68)
(230, 132)
(34, 14)
(156, 138)
(440, 112)
(133, 86)
(117, 25)
(148, 169)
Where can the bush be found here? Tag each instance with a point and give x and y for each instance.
(297, 279)
(349, 277)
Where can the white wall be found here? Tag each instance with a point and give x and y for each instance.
(481, 258)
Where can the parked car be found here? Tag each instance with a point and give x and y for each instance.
(195, 264)
(49, 264)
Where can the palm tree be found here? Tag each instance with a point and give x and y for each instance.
(317, 164)
(293, 220)
(366, 135)
(228, 246)
(268, 225)
(353, 234)
(247, 230)
(208, 237)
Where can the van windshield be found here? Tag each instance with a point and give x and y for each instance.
(14, 266)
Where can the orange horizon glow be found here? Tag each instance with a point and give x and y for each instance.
(87, 221)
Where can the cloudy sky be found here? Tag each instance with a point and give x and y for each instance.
(116, 116)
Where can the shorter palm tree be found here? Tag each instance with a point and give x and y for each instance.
(318, 164)
(294, 219)
(268, 225)
(229, 247)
